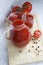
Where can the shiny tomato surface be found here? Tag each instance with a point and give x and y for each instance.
(16, 9)
(20, 34)
(13, 17)
(37, 34)
(20, 15)
(29, 19)
(27, 7)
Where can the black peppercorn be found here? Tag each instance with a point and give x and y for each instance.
(28, 50)
(20, 51)
(36, 49)
(32, 46)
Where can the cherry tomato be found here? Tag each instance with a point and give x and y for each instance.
(29, 19)
(21, 34)
(28, 24)
(16, 9)
(37, 34)
(13, 17)
(17, 22)
(27, 7)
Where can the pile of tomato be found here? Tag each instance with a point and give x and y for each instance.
(21, 20)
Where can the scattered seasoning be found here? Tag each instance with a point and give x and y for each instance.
(36, 49)
(28, 50)
(38, 46)
(32, 39)
(36, 53)
(36, 42)
(32, 46)
(20, 51)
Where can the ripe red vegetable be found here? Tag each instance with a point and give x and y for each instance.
(20, 35)
(29, 19)
(16, 9)
(19, 14)
(13, 16)
(37, 34)
(27, 7)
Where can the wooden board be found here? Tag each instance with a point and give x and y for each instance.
(33, 52)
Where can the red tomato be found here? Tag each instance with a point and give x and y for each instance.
(16, 9)
(21, 34)
(27, 7)
(37, 34)
(17, 22)
(20, 14)
(29, 19)
(13, 17)
(28, 24)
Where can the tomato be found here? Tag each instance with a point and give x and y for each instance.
(16, 9)
(13, 17)
(17, 22)
(28, 24)
(21, 34)
(37, 34)
(19, 14)
(29, 19)
(27, 7)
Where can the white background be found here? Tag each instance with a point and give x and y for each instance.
(5, 5)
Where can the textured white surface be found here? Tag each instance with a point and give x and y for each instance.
(15, 57)
(37, 8)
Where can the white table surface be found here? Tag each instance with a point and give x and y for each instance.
(4, 8)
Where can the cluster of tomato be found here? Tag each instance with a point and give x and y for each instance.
(22, 13)
(22, 21)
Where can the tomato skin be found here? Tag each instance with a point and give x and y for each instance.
(16, 9)
(20, 15)
(17, 22)
(21, 34)
(13, 17)
(27, 7)
(25, 3)
(28, 24)
(29, 19)
(37, 34)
